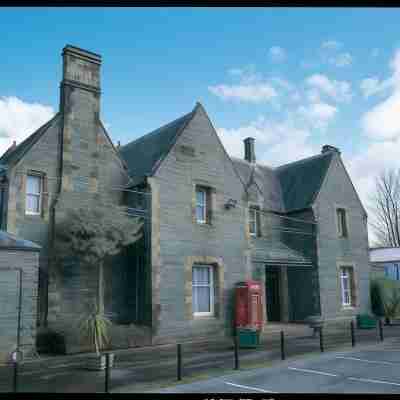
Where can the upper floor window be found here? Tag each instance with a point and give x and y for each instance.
(203, 289)
(346, 283)
(341, 222)
(203, 205)
(33, 194)
(253, 221)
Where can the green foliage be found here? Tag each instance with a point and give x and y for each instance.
(94, 328)
(376, 293)
(91, 234)
(392, 305)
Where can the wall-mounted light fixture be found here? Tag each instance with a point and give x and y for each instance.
(231, 203)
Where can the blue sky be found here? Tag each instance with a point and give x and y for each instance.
(294, 78)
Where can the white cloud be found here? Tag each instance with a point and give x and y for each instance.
(277, 142)
(19, 119)
(337, 90)
(331, 45)
(251, 86)
(255, 93)
(341, 60)
(370, 86)
(277, 54)
(318, 115)
(382, 121)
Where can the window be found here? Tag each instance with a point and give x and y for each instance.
(33, 194)
(341, 221)
(346, 283)
(392, 271)
(203, 205)
(203, 290)
(253, 228)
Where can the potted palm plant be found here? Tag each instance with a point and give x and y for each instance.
(94, 329)
(391, 307)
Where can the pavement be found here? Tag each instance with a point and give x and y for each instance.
(370, 370)
(146, 368)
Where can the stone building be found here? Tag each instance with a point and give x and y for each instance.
(211, 221)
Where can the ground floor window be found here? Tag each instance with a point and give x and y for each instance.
(203, 290)
(346, 283)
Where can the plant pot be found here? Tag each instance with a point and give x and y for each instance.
(98, 362)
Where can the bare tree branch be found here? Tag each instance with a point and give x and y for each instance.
(385, 208)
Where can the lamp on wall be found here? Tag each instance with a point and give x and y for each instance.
(231, 203)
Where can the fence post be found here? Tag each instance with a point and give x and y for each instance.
(353, 338)
(179, 361)
(107, 373)
(380, 329)
(321, 340)
(15, 377)
(236, 352)
(283, 356)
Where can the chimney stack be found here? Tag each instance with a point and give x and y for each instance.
(80, 108)
(249, 153)
(328, 147)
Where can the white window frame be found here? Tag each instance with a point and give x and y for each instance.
(253, 210)
(347, 273)
(204, 206)
(210, 285)
(40, 194)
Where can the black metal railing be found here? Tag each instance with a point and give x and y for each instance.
(142, 367)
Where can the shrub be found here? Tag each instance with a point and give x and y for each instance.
(377, 302)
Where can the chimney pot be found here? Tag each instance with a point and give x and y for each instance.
(249, 153)
(327, 147)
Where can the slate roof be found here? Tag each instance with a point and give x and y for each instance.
(143, 155)
(289, 187)
(271, 251)
(13, 155)
(301, 180)
(384, 254)
(9, 241)
(266, 180)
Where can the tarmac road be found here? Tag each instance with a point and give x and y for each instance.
(372, 370)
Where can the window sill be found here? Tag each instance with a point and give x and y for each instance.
(348, 308)
(205, 317)
(27, 214)
(205, 225)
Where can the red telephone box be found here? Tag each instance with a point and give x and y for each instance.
(248, 307)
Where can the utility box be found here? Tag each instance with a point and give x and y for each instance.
(248, 313)
(365, 321)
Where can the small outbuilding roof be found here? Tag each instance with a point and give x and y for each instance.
(384, 254)
(9, 241)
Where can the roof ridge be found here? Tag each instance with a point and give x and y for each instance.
(250, 164)
(303, 160)
(8, 154)
(154, 132)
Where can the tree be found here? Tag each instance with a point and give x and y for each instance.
(385, 208)
(92, 234)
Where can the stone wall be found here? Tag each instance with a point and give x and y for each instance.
(178, 240)
(334, 252)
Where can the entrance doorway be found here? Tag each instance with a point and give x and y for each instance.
(272, 293)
